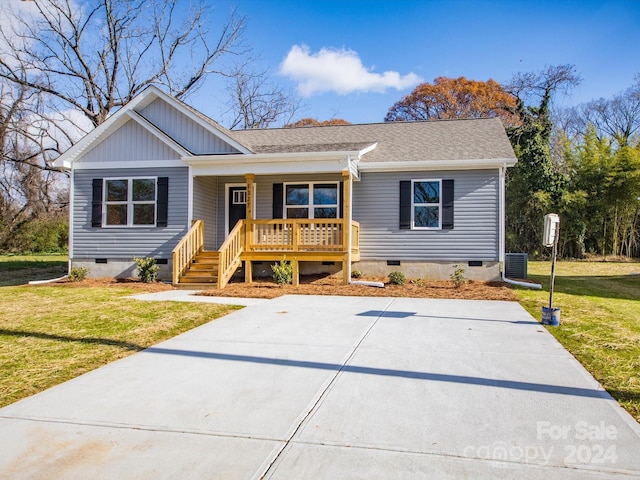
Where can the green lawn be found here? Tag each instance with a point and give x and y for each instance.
(21, 269)
(600, 320)
(50, 334)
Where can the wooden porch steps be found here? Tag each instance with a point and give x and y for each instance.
(203, 271)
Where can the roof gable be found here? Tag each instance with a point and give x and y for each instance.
(157, 112)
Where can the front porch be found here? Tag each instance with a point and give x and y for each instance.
(268, 240)
(296, 240)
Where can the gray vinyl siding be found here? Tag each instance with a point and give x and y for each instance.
(205, 206)
(131, 142)
(182, 129)
(264, 195)
(122, 242)
(475, 236)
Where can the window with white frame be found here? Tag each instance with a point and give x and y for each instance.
(311, 200)
(130, 202)
(426, 204)
(239, 197)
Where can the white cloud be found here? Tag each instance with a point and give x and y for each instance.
(340, 71)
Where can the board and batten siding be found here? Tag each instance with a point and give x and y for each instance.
(475, 236)
(182, 129)
(128, 242)
(131, 142)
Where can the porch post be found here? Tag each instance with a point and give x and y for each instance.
(248, 226)
(346, 225)
(295, 280)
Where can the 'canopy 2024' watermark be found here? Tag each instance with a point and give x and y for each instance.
(579, 443)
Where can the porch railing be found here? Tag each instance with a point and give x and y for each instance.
(190, 245)
(295, 235)
(229, 254)
(355, 238)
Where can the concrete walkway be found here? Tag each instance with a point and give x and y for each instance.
(304, 387)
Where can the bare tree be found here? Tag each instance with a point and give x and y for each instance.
(96, 55)
(618, 117)
(29, 189)
(67, 65)
(256, 102)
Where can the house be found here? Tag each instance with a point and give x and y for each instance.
(160, 179)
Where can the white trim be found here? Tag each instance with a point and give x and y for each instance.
(130, 203)
(310, 206)
(413, 204)
(124, 164)
(423, 165)
(227, 186)
(72, 182)
(221, 159)
(277, 163)
(271, 168)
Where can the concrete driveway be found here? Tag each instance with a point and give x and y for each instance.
(329, 388)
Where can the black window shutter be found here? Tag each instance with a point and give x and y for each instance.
(96, 203)
(405, 204)
(447, 204)
(277, 200)
(163, 201)
(341, 201)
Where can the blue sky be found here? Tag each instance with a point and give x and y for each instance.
(419, 40)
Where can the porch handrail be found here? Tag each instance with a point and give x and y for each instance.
(229, 254)
(186, 250)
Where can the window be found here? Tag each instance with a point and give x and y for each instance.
(311, 200)
(239, 197)
(129, 202)
(425, 209)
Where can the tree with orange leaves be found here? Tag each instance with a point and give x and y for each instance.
(312, 122)
(455, 98)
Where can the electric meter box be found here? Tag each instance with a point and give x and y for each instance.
(551, 227)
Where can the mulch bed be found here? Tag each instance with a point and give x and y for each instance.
(332, 285)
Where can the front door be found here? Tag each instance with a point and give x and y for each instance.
(237, 206)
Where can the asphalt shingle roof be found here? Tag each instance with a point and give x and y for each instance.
(472, 139)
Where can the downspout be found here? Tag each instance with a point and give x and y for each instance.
(72, 182)
(534, 286)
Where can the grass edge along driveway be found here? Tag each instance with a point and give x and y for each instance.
(51, 334)
(599, 320)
